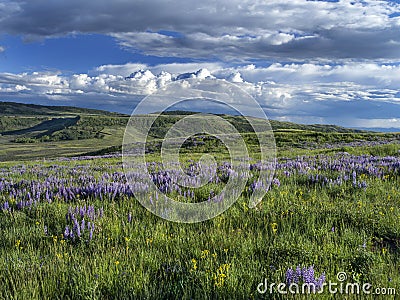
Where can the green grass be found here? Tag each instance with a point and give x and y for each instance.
(223, 258)
(334, 228)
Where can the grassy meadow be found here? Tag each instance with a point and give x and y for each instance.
(71, 229)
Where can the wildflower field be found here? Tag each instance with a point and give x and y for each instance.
(71, 229)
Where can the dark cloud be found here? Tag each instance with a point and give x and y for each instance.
(328, 45)
(227, 30)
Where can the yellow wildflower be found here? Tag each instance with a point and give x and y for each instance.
(194, 267)
(274, 227)
(204, 253)
(221, 274)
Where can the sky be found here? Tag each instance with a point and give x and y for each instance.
(330, 62)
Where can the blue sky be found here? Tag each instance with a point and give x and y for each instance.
(303, 61)
(72, 53)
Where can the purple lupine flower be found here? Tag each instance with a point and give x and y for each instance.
(78, 230)
(290, 276)
(362, 185)
(305, 275)
(276, 182)
(48, 199)
(75, 221)
(354, 175)
(83, 225)
(320, 282)
(129, 218)
(298, 274)
(91, 232)
(82, 211)
(6, 206)
(20, 205)
(308, 274)
(66, 232)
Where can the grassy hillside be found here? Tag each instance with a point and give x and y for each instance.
(30, 131)
(21, 109)
(54, 131)
(73, 228)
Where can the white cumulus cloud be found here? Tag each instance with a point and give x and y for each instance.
(348, 94)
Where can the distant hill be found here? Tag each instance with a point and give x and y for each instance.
(54, 131)
(33, 110)
(21, 109)
(381, 129)
(242, 125)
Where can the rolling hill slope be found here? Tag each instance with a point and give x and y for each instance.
(30, 131)
(21, 109)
